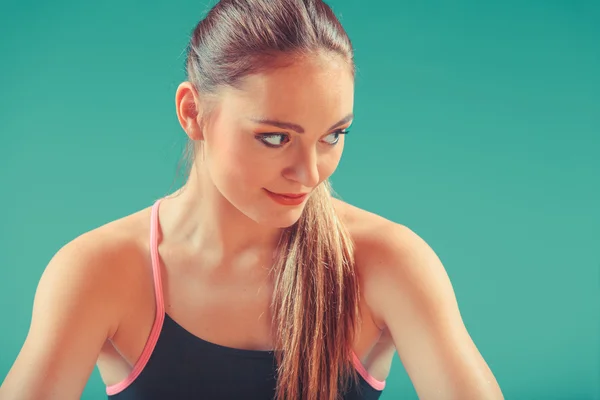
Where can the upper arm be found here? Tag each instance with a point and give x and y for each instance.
(415, 302)
(73, 314)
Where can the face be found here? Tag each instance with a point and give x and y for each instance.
(281, 133)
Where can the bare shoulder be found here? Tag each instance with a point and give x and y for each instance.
(80, 299)
(396, 264)
(365, 225)
(410, 296)
(98, 270)
(380, 246)
(107, 257)
(376, 237)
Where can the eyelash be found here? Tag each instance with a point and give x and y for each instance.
(261, 137)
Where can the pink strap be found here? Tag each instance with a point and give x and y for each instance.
(160, 316)
(375, 383)
(160, 308)
(155, 233)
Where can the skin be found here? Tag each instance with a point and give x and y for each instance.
(95, 304)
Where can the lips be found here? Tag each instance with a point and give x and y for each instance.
(291, 195)
(287, 199)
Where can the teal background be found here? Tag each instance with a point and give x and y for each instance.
(477, 126)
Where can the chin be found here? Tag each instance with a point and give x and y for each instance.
(279, 220)
(282, 222)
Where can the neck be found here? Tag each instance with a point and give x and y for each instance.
(206, 223)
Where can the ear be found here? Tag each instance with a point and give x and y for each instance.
(187, 103)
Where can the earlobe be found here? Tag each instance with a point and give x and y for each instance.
(187, 107)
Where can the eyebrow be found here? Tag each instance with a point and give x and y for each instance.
(296, 127)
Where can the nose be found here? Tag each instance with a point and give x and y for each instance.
(304, 168)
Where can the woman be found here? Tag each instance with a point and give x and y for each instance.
(252, 281)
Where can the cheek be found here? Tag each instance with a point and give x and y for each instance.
(248, 172)
(237, 168)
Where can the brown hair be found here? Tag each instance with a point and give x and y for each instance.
(315, 301)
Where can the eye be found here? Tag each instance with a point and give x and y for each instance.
(273, 139)
(334, 137)
(279, 139)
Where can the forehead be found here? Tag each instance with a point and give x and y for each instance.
(315, 88)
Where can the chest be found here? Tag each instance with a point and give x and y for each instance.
(230, 308)
(222, 307)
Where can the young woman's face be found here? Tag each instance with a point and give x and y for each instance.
(251, 158)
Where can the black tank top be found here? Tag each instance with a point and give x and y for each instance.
(175, 364)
